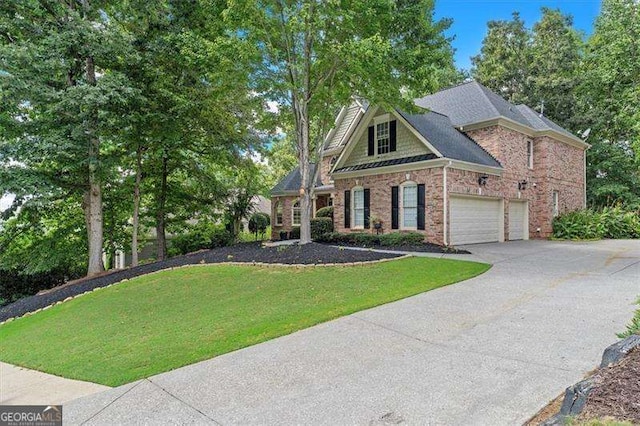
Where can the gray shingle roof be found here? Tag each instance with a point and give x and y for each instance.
(471, 102)
(291, 182)
(449, 141)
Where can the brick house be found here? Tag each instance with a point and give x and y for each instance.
(473, 169)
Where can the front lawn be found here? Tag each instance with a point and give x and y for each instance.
(162, 321)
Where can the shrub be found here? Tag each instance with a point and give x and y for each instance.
(325, 212)
(258, 224)
(203, 235)
(370, 240)
(401, 239)
(15, 285)
(321, 226)
(294, 234)
(611, 222)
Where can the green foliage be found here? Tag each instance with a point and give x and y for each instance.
(610, 222)
(294, 234)
(15, 284)
(321, 226)
(634, 326)
(201, 236)
(325, 212)
(187, 315)
(364, 239)
(258, 224)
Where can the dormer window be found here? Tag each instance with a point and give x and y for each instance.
(382, 136)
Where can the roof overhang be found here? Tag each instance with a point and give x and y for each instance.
(420, 165)
(513, 125)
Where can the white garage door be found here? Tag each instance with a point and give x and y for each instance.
(517, 220)
(474, 220)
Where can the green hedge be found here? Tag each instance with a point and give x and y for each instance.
(588, 224)
(321, 226)
(203, 235)
(325, 212)
(258, 224)
(370, 240)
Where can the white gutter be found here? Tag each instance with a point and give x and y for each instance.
(445, 204)
(584, 177)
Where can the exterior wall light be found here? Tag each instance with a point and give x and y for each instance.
(482, 180)
(522, 185)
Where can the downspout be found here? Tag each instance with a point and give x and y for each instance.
(445, 203)
(584, 179)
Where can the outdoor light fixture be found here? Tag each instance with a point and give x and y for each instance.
(482, 180)
(522, 185)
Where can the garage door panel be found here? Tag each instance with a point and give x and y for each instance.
(474, 220)
(517, 220)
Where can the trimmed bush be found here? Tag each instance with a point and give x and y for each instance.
(325, 212)
(15, 285)
(258, 224)
(610, 222)
(294, 234)
(364, 239)
(321, 226)
(203, 235)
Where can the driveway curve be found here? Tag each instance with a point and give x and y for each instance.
(488, 351)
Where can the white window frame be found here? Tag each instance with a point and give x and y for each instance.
(295, 209)
(555, 203)
(530, 154)
(353, 207)
(401, 205)
(379, 120)
(279, 211)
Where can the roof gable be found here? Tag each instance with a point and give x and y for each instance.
(291, 183)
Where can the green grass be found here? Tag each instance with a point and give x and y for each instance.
(248, 237)
(162, 321)
(634, 326)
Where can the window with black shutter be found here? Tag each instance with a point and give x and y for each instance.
(394, 207)
(421, 206)
(347, 209)
(367, 207)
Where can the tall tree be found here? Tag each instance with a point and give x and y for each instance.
(504, 61)
(555, 71)
(610, 103)
(60, 97)
(315, 55)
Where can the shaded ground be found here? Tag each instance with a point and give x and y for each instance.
(617, 393)
(310, 254)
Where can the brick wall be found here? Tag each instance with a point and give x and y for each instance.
(380, 192)
(286, 215)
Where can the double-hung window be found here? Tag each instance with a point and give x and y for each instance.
(530, 154)
(279, 213)
(295, 213)
(556, 203)
(410, 206)
(358, 207)
(382, 138)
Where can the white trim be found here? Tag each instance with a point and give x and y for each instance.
(279, 204)
(293, 208)
(353, 207)
(445, 203)
(555, 203)
(382, 118)
(417, 134)
(401, 188)
(584, 180)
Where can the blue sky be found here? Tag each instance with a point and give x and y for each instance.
(470, 19)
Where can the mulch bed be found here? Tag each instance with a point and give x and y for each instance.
(617, 392)
(309, 254)
(422, 248)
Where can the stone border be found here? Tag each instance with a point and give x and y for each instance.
(575, 397)
(258, 264)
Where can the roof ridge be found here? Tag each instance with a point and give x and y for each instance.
(484, 94)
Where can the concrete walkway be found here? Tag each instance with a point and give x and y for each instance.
(21, 386)
(488, 351)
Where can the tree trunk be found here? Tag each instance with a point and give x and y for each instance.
(93, 195)
(160, 213)
(136, 208)
(302, 134)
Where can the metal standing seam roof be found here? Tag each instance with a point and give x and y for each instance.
(392, 162)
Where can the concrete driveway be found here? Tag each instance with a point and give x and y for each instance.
(488, 351)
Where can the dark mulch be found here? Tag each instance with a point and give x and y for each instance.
(617, 392)
(423, 248)
(309, 254)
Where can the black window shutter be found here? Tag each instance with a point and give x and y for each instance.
(367, 207)
(421, 206)
(347, 209)
(372, 135)
(394, 207)
(392, 135)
